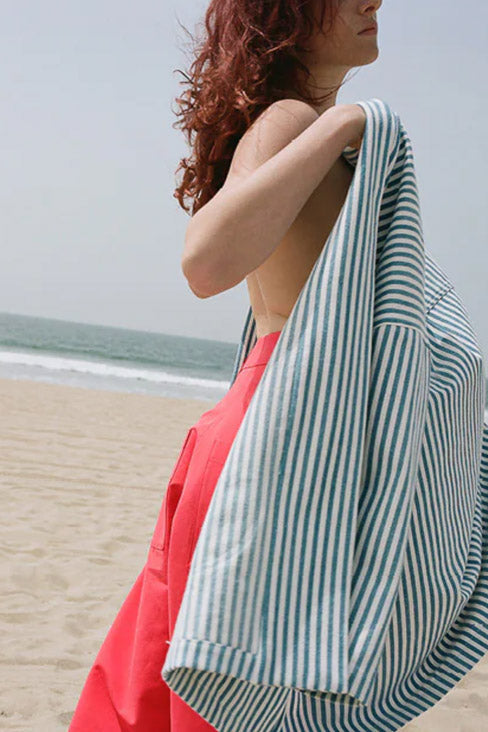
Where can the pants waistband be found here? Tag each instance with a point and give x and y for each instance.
(261, 351)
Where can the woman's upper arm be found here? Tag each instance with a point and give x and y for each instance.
(277, 126)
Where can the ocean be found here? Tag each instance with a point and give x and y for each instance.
(117, 359)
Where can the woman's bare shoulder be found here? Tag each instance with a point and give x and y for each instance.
(292, 112)
(272, 130)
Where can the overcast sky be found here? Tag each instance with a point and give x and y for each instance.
(89, 226)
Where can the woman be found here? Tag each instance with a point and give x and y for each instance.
(257, 118)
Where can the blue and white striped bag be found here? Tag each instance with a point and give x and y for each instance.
(340, 578)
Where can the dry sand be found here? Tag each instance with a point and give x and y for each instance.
(83, 474)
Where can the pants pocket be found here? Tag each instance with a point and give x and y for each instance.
(210, 475)
(159, 543)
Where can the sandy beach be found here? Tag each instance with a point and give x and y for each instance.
(83, 475)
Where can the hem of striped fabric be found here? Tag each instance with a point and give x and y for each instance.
(200, 655)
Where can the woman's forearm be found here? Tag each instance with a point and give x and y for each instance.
(241, 226)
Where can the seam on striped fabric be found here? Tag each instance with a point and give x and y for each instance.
(439, 297)
(405, 327)
(199, 641)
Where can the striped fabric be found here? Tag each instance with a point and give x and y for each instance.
(340, 579)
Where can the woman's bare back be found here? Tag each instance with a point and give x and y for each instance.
(275, 285)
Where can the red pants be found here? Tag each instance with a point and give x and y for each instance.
(124, 689)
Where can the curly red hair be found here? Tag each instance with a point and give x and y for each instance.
(246, 60)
